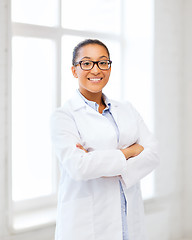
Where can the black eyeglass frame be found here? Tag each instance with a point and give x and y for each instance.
(94, 62)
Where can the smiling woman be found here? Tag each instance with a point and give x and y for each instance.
(69, 84)
(104, 150)
(92, 79)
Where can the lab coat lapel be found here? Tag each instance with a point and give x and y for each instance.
(78, 103)
(114, 111)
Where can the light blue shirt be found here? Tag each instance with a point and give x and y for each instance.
(107, 113)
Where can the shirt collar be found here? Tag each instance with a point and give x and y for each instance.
(94, 105)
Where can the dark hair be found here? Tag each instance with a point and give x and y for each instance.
(84, 43)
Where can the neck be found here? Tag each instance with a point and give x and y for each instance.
(95, 97)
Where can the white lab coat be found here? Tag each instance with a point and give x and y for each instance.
(89, 206)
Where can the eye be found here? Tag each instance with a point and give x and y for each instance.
(86, 63)
(103, 63)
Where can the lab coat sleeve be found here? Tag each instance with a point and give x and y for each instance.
(78, 164)
(141, 165)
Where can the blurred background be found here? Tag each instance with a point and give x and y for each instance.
(150, 46)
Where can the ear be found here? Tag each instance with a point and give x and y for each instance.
(74, 72)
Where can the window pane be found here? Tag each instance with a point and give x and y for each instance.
(101, 16)
(32, 83)
(139, 60)
(40, 12)
(70, 84)
(139, 68)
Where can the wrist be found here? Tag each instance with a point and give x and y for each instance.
(127, 152)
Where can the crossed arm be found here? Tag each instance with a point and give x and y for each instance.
(131, 151)
(83, 165)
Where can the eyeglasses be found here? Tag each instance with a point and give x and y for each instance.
(88, 65)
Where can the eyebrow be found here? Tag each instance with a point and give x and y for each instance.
(99, 57)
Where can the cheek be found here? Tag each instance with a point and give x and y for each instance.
(82, 77)
(107, 75)
(81, 74)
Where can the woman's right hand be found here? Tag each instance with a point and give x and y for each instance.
(78, 145)
(132, 151)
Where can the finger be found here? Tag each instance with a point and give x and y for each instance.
(78, 145)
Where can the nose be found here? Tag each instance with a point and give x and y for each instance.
(95, 69)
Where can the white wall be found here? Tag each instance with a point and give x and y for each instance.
(3, 111)
(169, 216)
(187, 121)
(173, 97)
(168, 76)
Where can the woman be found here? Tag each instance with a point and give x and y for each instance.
(104, 149)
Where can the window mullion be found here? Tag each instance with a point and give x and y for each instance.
(91, 34)
(123, 52)
(29, 30)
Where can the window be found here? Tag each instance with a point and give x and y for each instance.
(138, 70)
(43, 36)
(33, 78)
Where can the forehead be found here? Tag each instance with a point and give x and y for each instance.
(92, 51)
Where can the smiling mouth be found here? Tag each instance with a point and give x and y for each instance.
(95, 79)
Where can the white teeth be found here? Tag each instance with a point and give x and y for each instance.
(95, 79)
